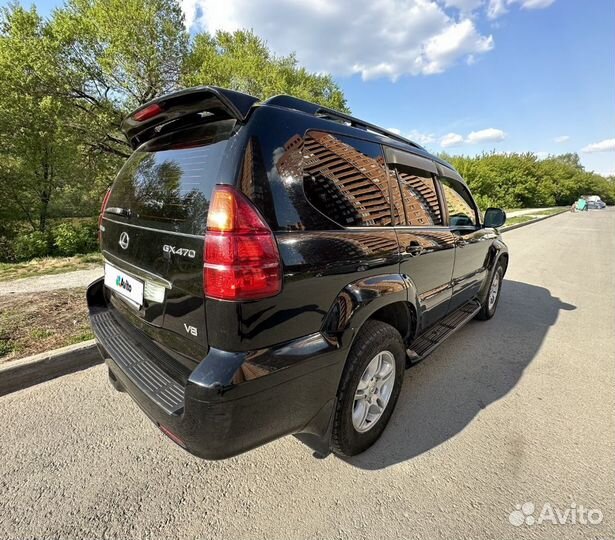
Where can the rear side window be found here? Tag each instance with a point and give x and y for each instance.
(166, 183)
(419, 195)
(346, 180)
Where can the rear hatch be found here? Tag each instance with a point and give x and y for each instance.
(152, 232)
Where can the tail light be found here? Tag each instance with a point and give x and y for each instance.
(148, 112)
(102, 211)
(241, 258)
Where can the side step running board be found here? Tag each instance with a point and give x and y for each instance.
(423, 345)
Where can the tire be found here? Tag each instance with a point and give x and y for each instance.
(376, 340)
(491, 303)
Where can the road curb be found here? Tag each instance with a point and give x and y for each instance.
(523, 224)
(19, 374)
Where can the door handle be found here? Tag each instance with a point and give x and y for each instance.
(461, 243)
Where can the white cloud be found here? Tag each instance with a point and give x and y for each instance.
(562, 139)
(459, 39)
(417, 136)
(373, 38)
(465, 6)
(497, 8)
(533, 4)
(475, 137)
(421, 138)
(607, 145)
(451, 139)
(486, 135)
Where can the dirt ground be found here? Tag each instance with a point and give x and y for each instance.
(36, 322)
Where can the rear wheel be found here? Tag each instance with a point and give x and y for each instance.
(493, 295)
(369, 389)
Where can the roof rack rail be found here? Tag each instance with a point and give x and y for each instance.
(291, 102)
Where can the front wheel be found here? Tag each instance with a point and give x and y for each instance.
(493, 295)
(369, 389)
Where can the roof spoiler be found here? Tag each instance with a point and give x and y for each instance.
(147, 121)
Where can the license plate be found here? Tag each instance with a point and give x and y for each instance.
(127, 286)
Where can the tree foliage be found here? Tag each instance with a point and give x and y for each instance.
(522, 180)
(241, 61)
(39, 152)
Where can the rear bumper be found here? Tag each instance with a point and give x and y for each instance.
(231, 402)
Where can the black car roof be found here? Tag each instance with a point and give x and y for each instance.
(179, 104)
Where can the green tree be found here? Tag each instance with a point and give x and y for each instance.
(66, 84)
(242, 61)
(36, 148)
(116, 55)
(522, 180)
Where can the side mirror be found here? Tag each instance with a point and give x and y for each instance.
(494, 217)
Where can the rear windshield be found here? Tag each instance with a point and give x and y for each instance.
(167, 182)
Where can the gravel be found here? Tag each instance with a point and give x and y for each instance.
(78, 278)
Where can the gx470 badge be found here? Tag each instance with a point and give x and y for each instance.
(182, 252)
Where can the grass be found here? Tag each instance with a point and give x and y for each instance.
(529, 217)
(48, 265)
(517, 220)
(549, 212)
(36, 322)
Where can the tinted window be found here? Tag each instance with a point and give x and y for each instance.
(419, 195)
(167, 182)
(459, 204)
(346, 180)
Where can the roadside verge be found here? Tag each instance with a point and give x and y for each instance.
(19, 374)
(530, 221)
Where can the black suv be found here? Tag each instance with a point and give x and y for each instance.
(272, 267)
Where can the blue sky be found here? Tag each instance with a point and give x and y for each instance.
(464, 76)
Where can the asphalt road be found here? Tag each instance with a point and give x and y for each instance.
(515, 410)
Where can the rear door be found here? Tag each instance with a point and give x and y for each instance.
(427, 246)
(152, 230)
(471, 240)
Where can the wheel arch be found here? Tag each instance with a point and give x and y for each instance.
(499, 253)
(389, 298)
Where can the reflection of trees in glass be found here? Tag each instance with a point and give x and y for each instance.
(457, 206)
(197, 209)
(153, 186)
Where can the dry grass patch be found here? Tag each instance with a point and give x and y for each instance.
(48, 265)
(37, 322)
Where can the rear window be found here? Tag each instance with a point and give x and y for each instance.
(166, 183)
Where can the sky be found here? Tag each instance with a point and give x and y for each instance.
(461, 76)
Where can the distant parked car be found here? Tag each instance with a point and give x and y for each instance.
(596, 205)
(594, 202)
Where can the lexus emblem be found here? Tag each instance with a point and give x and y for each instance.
(124, 240)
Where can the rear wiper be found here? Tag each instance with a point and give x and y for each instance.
(126, 212)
